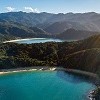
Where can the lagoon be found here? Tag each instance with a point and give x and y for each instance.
(44, 85)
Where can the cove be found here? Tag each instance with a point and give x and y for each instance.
(44, 85)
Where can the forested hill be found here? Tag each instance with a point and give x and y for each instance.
(12, 30)
(83, 55)
(73, 34)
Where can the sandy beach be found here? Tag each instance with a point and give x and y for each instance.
(14, 71)
(21, 40)
(7, 71)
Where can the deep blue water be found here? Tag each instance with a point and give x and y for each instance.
(39, 40)
(43, 85)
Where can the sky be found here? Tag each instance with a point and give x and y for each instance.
(50, 6)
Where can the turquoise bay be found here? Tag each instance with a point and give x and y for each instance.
(43, 85)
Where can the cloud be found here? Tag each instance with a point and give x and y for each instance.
(26, 9)
(30, 9)
(10, 9)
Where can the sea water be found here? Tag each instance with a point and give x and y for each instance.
(43, 85)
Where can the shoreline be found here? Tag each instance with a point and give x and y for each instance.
(94, 78)
(7, 71)
(43, 68)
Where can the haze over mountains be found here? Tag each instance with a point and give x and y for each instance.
(17, 24)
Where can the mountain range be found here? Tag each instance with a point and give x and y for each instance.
(23, 25)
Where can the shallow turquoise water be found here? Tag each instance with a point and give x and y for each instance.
(39, 40)
(47, 85)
